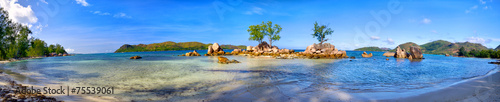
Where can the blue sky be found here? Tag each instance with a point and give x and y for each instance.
(100, 26)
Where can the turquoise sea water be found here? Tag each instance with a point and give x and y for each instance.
(166, 76)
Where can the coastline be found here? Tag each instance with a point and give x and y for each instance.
(467, 90)
(479, 89)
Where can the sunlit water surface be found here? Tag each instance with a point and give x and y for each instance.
(165, 76)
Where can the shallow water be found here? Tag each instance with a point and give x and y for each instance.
(165, 76)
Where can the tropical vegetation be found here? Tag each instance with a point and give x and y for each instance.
(490, 53)
(320, 32)
(171, 46)
(15, 41)
(258, 32)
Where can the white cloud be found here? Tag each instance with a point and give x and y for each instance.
(69, 50)
(482, 2)
(434, 31)
(121, 15)
(473, 7)
(478, 40)
(39, 28)
(390, 41)
(18, 13)
(255, 10)
(374, 37)
(426, 21)
(43, 1)
(101, 13)
(117, 15)
(82, 2)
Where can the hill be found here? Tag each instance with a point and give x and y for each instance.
(369, 49)
(440, 47)
(443, 47)
(406, 46)
(498, 47)
(169, 46)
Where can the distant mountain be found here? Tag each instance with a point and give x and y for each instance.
(169, 46)
(438, 47)
(498, 47)
(406, 46)
(370, 49)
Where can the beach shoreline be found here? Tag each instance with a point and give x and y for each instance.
(480, 88)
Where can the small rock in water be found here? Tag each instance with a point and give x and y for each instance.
(224, 60)
(135, 57)
(387, 59)
(494, 62)
(353, 57)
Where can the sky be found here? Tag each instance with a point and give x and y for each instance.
(102, 26)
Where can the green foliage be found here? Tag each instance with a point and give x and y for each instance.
(462, 52)
(38, 48)
(272, 32)
(443, 47)
(320, 32)
(257, 32)
(16, 43)
(171, 46)
(490, 53)
(369, 49)
(14, 38)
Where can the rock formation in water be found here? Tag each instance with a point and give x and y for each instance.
(325, 50)
(224, 60)
(194, 53)
(415, 53)
(389, 54)
(400, 53)
(366, 55)
(135, 57)
(314, 51)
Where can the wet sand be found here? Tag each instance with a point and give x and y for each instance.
(480, 89)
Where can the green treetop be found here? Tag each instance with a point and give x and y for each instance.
(272, 32)
(257, 32)
(320, 32)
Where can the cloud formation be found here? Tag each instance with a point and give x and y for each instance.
(18, 13)
(121, 15)
(69, 50)
(478, 40)
(100, 13)
(426, 21)
(255, 10)
(117, 15)
(434, 31)
(43, 1)
(390, 41)
(374, 37)
(481, 3)
(82, 2)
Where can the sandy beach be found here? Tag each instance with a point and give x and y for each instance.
(480, 89)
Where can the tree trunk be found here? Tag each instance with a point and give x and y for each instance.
(321, 42)
(270, 43)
